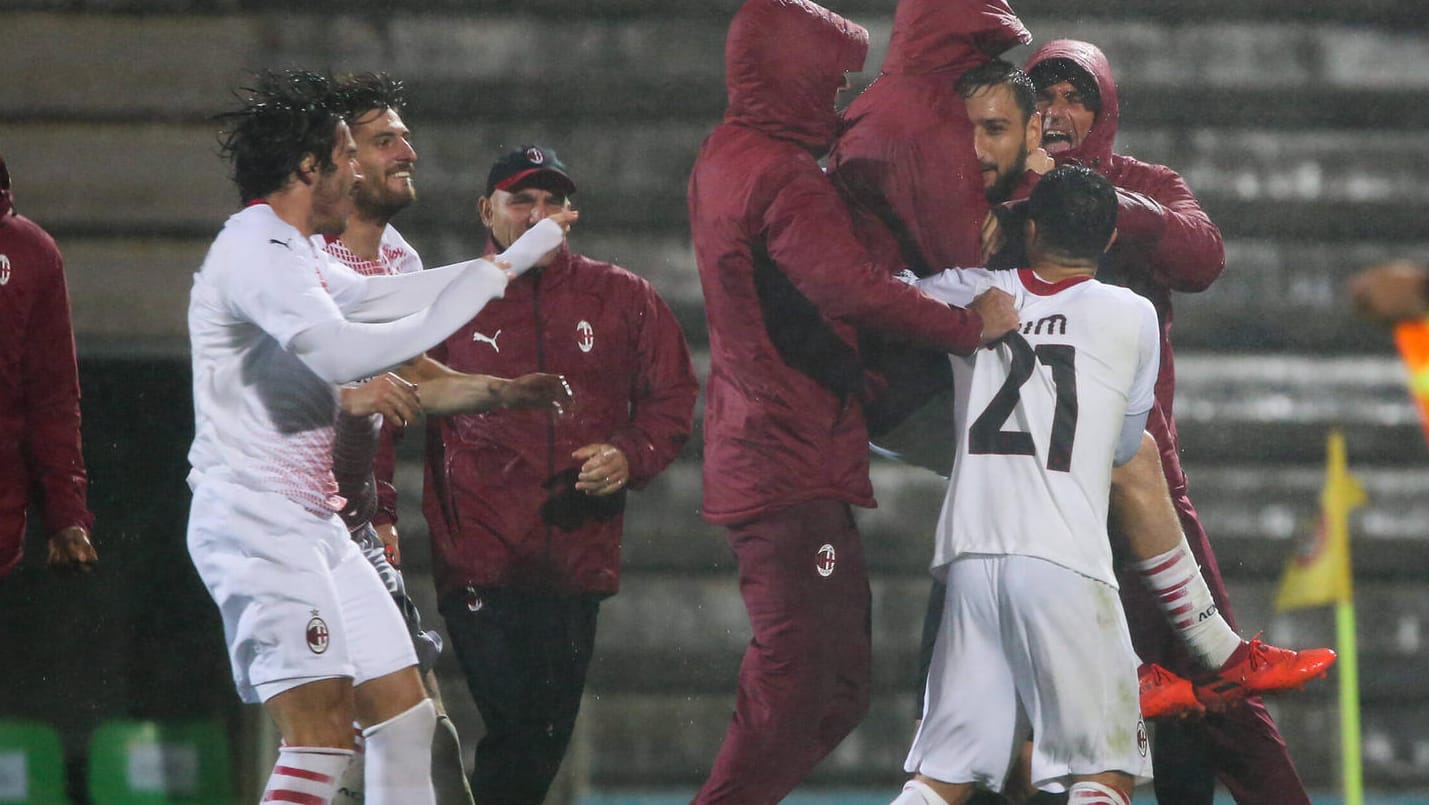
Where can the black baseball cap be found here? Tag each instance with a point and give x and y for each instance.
(530, 165)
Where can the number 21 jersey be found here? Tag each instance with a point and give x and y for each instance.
(1038, 418)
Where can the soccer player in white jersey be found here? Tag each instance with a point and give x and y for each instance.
(364, 462)
(1033, 636)
(311, 631)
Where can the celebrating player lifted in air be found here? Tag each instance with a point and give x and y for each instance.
(311, 631)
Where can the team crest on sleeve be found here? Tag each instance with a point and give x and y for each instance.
(825, 559)
(317, 634)
(4, 269)
(585, 336)
(1143, 743)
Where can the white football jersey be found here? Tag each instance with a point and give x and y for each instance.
(262, 418)
(396, 255)
(1038, 418)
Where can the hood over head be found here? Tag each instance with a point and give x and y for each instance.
(1095, 150)
(784, 63)
(952, 35)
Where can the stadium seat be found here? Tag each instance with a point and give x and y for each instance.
(149, 763)
(31, 764)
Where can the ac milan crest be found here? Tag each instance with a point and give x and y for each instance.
(535, 156)
(317, 634)
(585, 336)
(4, 269)
(825, 561)
(1142, 742)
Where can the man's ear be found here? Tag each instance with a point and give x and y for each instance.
(308, 169)
(1109, 241)
(1032, 137)
(484, 211)
(1029, 234)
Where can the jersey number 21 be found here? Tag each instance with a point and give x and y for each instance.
(986, 436)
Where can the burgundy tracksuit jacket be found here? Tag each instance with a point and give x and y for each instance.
(40, 459)
(786, 286)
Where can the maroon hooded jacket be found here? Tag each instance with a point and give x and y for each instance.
(500, 495)
(39, 386)
(1165, 242)
(906, 156)
(785, 281)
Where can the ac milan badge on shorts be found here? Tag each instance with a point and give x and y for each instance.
(585, 336)
(535, 156)
(4, 269)
(473, 601)
(317, 634)
(1142, 742)
(825, 563)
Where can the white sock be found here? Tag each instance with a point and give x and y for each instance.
(1184, 597)
(1089, 793)
(306, 774)
(399, 758)
(349, 785)
(916, 792)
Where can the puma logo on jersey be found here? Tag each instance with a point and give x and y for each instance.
(282, 243)
(487, 339)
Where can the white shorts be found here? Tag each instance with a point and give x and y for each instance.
(1029, 647)
(298, 599)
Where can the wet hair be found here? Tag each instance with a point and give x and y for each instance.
(1074, 208)
(363, 92)
(1054, 71)
(995, 73)
(284, 117)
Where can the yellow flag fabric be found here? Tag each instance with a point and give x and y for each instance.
(1319, 573)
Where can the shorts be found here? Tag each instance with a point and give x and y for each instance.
(1030, 648)
(299, 602)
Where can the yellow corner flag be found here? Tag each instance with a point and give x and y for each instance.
(1319, 574)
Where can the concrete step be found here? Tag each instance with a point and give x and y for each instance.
(1383, 12)
(664, 62)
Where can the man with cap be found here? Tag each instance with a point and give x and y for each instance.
(39, 398)
(526, 507)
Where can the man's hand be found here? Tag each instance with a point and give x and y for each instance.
(1391, 292)
(605, 470)
(389, 395)
(71, 551)
(535, 391)
(1039, 161)
(387, 532)
(999, 317)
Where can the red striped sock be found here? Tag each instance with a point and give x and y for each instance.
(1184, 597)
(1089, 793)
(306, 775)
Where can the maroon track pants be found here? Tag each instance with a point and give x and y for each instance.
(804, 682)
